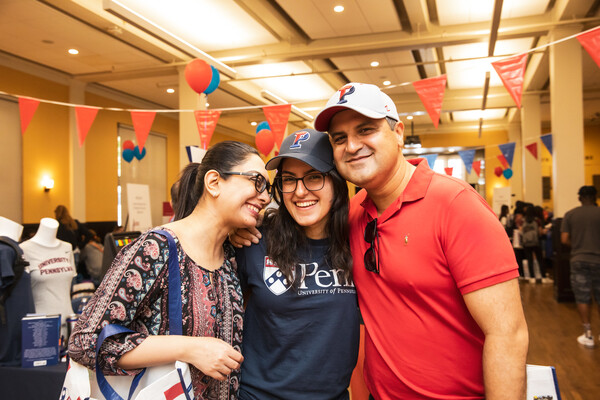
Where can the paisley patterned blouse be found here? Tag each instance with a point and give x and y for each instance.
(134, 294)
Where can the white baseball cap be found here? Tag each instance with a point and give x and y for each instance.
(363, 98)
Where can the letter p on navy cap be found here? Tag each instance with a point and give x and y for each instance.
(307, 145)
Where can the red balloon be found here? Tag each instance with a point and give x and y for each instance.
(264, 141)
(498, 171)
(198, 75)
(128, 145)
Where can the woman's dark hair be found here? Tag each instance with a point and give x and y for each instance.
(284, 237)
(64, 217)
(504, 211)
(188, 176)
(222, 157)
(530, 214)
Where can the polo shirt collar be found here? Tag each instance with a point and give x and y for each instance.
(415, 190)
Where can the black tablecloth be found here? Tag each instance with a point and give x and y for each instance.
(38, 383)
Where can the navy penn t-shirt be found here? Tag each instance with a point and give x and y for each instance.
(300, 342)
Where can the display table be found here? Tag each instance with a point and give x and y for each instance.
(38, 383)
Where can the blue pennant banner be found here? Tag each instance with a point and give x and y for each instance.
(430, 159)
(547, 140)
(467, 156)
(508, 151)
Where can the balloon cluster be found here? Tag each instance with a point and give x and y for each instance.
(264, 138)
(130, 151)
(508, 173)
(202, 77)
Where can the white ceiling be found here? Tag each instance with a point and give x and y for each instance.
(301, 51)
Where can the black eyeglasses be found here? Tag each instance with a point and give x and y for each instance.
(371, 260)
(260, 182)
(313, 182)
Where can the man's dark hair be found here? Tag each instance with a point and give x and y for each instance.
(589, 192)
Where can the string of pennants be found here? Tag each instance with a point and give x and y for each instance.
(206, 120)
(506, 157)
(431, 92)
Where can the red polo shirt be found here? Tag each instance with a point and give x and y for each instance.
(437, 241)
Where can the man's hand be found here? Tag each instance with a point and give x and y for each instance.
(244, 237)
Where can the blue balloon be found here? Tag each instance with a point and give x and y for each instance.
(214, 81)
(507, 173)
(262, 125)
(139, 155)
(128, 154)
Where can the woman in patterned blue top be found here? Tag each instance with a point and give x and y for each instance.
(301, 329)
(226, 191)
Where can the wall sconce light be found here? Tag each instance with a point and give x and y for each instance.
(47, 183)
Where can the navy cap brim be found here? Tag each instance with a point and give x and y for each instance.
(314, 162)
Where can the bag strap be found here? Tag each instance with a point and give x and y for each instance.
(175, 322)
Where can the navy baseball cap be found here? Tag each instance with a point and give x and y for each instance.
(307, 145)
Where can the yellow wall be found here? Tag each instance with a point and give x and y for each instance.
(592, 153)
(101, 156)
(591, 158)
(45, 149)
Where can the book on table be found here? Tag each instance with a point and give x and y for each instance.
(40, 340)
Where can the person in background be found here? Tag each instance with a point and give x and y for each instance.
(71, 230)
(516, 238)
(230, 187)
(580, 229)
(92, 258)
(434, 270)
(506, 220)
(531, 231)
(301, 332)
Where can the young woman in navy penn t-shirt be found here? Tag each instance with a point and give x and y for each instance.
(301, 328)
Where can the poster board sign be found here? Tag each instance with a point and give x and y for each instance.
(138, 205)
(502, 195)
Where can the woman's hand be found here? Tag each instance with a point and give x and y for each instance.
(244, 237)
(213, 357)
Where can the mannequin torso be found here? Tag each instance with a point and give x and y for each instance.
(52, 268)
(46, 233)
(10, 229)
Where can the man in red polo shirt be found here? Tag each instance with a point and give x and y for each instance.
(434, 270)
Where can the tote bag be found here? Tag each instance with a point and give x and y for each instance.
(170, 381)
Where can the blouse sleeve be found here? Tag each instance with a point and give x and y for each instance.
(127, 296)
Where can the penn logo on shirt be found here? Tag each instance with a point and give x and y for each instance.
(274, 278)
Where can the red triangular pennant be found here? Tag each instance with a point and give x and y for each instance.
(503, 160)
(511, 71)
(477, 167)
(85, 118)
(431, 93)
(142, 122)
(448, 170)
(27, 108)
(532, 149)
(277, 117)
(207, 122)
(591, 43)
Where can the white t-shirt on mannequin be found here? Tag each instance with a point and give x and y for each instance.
(52, 268)
(10, 229)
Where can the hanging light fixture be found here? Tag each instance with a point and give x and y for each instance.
(413, 141)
